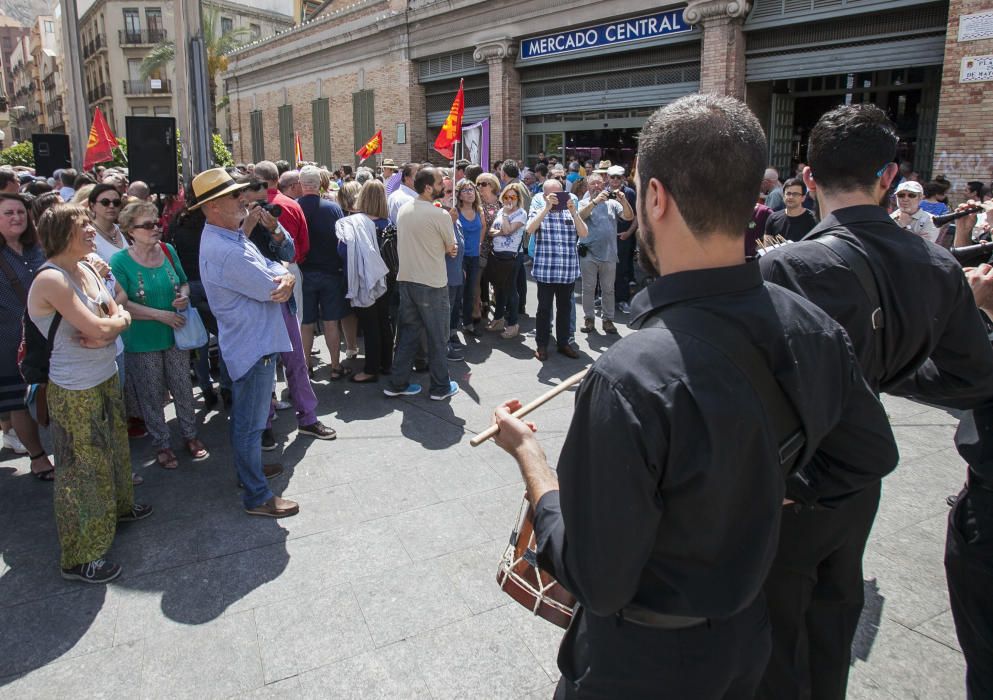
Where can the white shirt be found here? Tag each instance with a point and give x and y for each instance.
(509, 244)
(396, 200)
(106, 249)
(920, 224)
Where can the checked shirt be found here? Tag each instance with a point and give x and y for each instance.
(555, 257)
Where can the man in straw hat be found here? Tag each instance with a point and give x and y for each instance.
(245, 290)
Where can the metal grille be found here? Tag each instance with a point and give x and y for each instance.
(286, 133)
(477, 97)
(441, 67)
(903, 24)
(612, 63)
(321, 115)
(763, 9)
(258, 137)
(363, 118)
(622, 81)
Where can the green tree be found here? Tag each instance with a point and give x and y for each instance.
(21, 154)
(216, 44)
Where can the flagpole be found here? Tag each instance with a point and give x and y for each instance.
(455, 156)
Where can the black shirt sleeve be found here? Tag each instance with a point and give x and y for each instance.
(611, 483)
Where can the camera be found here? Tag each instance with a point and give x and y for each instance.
(274, 210)
(611, 194)
(582, 249)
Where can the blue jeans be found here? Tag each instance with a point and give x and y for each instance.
(455, 304)
(426, 309)
(249, 411)
(470, 265)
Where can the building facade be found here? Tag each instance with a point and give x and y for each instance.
(583, 82)
(116, 36)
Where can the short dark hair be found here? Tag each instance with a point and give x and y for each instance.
(99, 190)
(795, 182)
(68, 176)
(43, 202)
(82, 180)
(541, 169)
(850, 145)
(974, 186)
(510, 169)
(424, 179)
(472, 172)
(37, 187)
(30, 236)
(282, 166)
(462, 164)
(7, 176)
(409, 170)
(669, 148)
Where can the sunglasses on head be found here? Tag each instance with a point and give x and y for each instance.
(109, 202)
(151, 226)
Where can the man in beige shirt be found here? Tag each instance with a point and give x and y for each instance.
(425, 234)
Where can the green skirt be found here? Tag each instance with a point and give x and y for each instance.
(93, 468)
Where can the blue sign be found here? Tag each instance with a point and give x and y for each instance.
(620, 32)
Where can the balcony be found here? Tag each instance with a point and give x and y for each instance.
(134, 88)
(141, 37)
(54, 107)
(101, 92)
(91, 48)
(49, 82)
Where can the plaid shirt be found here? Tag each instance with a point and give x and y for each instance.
(555, 258)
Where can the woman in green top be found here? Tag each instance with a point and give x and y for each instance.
(150, 273)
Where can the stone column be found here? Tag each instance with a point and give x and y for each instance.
(505, 97)
(722, 56)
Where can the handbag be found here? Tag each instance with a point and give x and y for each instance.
(192, 334)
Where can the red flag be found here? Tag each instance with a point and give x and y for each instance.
(451, 130)
(298, 148)
(99, 147)
(374, 146)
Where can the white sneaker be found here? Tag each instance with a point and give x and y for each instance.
(351, 354)
(624, 307)
(283, 405)
(11, 442)
(510, 332)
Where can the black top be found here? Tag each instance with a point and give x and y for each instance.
(792, 228)
(934, 342)
(671, 489)
(632, 198)
(322, 216)
(185, 234)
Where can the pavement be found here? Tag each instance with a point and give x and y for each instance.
(384, 585)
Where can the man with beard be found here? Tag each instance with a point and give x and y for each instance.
(665, 531)
(913, 322)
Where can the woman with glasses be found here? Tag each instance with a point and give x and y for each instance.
(488, 187)
(152, 277)
(105, 206)
(468, 213)
(507, 235)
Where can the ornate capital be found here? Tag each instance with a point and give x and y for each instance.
(699, 11)
(495, 50)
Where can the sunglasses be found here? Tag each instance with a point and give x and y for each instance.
(151, 226)
(109, 202)
(906, 195)
(510, 198)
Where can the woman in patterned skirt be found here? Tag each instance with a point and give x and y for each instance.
(93, 490)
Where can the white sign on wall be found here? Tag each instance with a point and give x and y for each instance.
(975, 27)
(977, 69)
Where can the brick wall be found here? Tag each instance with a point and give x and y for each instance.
(505, 109)
(722, 60)
(964, 144)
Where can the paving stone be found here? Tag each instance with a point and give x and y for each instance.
(439, 529)
(286, 688)
(322, 510)
(458, 472)
(397, 492)
(302, 633)
(410, 599)
(218, 659)
(496, 511)
(941, 628)
(473, 573)
(387, 673)
(905, 598)
(911, 666)
(110, 673)
(538, 635)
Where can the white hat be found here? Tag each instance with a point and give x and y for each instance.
(615, 170)
(910, 186)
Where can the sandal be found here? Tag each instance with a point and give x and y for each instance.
(198, 451)
(166, 458)
(367, 379)
(46, 475)
(340, 373)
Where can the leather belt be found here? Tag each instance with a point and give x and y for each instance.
(649, 618)
(978, 482)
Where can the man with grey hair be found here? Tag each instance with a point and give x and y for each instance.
(291, 219)
(363, 175)
(139, 190)
(772, 190)
(289, 184)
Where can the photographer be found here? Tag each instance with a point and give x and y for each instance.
(600, 208)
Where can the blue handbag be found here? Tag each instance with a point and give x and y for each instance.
(192, 334)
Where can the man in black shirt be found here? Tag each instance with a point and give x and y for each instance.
(923, 337)
(672, 485)
(794, 222)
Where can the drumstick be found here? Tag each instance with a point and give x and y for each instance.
(524, 410)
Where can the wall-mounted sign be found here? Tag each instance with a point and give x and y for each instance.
(976, 26)
(977, 69)
(620, 32)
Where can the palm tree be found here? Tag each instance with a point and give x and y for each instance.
(216, 43)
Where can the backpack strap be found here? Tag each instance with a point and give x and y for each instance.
(741, 351)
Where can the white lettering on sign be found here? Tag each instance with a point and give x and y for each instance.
(651, 26)
(976, 26)
(977, 69)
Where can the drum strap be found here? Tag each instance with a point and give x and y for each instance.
(741, 351)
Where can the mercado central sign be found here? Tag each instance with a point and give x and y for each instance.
(620, 32)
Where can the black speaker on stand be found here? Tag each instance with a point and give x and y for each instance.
(51, 153)
(152, 153)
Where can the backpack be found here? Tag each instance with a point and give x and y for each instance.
(35, 350)
(388, 250)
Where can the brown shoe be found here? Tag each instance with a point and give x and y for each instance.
(541, 354)
(271, 471)
(569, 351)
(275, 507)
(589, 326)
(609, 327)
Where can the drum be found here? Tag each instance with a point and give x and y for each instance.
(520, 577)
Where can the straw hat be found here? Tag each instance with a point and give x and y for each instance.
(213, 183)
(389, 163)
(602, 166)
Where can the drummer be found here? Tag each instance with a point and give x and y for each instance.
(665, 531)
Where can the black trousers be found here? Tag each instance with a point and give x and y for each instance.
(561, 295)
(815, 597)
(625, 269)
(607, 657)
(969, 566)
(377, 331)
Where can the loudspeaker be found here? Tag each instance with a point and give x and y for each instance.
(51, 153)
(152, 153)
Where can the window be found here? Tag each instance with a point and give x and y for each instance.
(286, 142)
(227, 25)
(162, 111)
(256, 31)
(49, 27)
(139, 111)
(132, 26)
(258, 137)
(156, 30)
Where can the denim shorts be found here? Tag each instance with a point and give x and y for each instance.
(324, 296)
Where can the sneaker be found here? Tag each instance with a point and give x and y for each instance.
(410, 390)
(455, 354)
(453, 389)
(496, 325)
(589, 326)
(11, 442)
(511, 332)
(283, 405)
(268, 440)
(608, 326)
(318, 430)
(139, 511)
(97, 571)
(624, 307)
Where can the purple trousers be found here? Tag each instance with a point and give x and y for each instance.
(297, 377)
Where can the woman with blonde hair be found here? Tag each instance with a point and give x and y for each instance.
(488, 187)
(507, 234)
(93, 489)
(468, 213)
